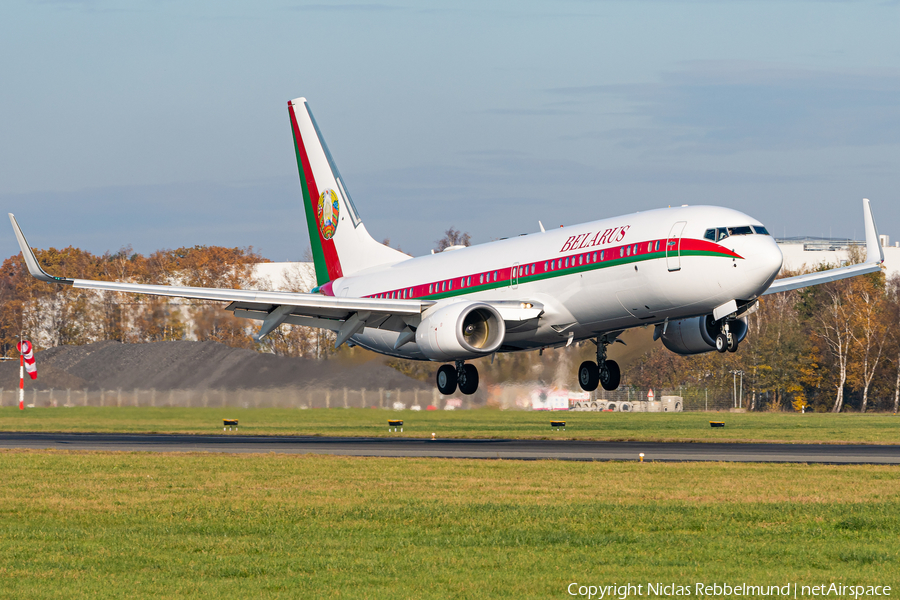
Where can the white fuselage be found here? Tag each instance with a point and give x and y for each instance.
(590, 278)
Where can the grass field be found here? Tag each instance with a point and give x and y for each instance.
(482, 423)
(145, 525)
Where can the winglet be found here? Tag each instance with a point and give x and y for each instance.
(31, 262)
(874, 251)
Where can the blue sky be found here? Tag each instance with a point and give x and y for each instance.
(160, 124)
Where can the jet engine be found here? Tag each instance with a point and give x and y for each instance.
(460, 331)
(698, 334)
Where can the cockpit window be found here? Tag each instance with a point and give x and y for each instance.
(716, 235)
(720, 233)
(744, 230)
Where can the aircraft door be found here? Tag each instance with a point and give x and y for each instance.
(673, 246)
(514, 276)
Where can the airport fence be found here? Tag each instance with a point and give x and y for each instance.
(299, 398)
(510, 397)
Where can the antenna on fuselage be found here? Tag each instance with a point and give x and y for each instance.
(541, 226)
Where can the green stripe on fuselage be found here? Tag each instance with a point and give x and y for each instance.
(522, 279)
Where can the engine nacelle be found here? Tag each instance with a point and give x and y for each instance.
(698, 334)
(460, 331)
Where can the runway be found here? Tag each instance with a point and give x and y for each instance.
(458, 448)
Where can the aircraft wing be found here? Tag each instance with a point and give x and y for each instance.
(346, 316)
(874, 258)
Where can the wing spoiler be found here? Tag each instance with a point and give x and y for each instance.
(872, 264)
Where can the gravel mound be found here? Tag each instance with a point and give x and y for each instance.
(195, 365)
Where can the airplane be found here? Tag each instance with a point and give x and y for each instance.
(689, 274)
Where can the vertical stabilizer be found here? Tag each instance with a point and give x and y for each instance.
(339, 240)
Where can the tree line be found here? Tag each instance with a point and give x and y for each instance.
(831, 347)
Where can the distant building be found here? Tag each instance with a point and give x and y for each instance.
(285, 276)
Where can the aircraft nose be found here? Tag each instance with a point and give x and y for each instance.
(767, 260)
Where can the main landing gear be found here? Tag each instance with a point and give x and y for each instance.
(726, 340)
(603, 372)
(462, 375)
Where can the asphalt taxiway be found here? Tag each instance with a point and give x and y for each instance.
(459, 448)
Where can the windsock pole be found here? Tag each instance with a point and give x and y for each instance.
(21, 381)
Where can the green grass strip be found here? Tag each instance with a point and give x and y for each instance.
(145, 525)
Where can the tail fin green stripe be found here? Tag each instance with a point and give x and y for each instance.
(315, 243)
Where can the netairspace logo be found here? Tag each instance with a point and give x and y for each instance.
(624, 591)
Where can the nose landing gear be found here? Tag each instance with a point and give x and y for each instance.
(726, 340)
(603, 372)
(463, 375)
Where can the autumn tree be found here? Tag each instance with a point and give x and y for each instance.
(453, 237)
(869, 330)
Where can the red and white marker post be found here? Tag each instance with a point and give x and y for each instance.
(26, 363)
(21, 380)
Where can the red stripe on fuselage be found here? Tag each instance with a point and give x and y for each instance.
(557, 265)
(690, 244)
(332, 261)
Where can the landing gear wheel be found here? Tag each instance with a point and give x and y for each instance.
(588, 375)
(446, 380)
(610, 375)
(721, 342)
(732, 343)
(468, 384)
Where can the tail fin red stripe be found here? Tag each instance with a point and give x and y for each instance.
(329, 252)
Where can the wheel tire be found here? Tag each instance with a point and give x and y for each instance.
(588, 376)
(733, 345)
(469, 384)
(446, 380)
(721, 343)
(610, 376)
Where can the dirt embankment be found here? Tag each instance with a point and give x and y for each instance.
(194, 365)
